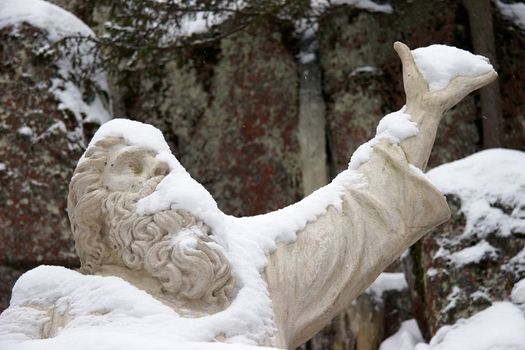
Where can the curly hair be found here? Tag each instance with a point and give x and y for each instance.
(84, 205)
(105, 225)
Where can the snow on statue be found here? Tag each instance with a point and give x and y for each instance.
(189, 273)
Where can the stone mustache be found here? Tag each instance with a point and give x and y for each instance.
(186, 260)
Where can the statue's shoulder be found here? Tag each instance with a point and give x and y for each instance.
(62, 295)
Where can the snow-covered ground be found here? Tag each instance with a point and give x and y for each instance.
(499, 327)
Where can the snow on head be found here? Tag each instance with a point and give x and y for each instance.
(138, 134)
(134, 133)
(439, 64)
(178, 190)
(491, 187)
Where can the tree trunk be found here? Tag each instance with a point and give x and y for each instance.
(482, 33)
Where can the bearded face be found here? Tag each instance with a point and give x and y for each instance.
(170, 246)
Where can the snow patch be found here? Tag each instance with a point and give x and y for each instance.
(501, 327)
(25, 130)
(491, 187)
(58, 24)
(471, 255)
(367, 5)
(387, 281)
(306, 57)
(516, 265)
(514, 12)
(123, 317)
(480, 295)
(394, 127)
(518, 293)
(432, 272)
(405, 338)
(452, 299)
(439, 64)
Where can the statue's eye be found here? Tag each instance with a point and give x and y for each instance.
(135, 167)
(128, 166)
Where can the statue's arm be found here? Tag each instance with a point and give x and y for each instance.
(337, 256)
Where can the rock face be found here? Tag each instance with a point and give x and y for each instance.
(476, 258)
(42, 134)
(39, 149)
(373, 316)
(230, 114)
(361, 70)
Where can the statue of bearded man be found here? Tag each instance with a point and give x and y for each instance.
(168, 254)
(272, 280)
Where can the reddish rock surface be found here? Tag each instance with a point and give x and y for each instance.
(444, 292)
(39, 149)
(40, 143)
(363, 74)
(230, 115)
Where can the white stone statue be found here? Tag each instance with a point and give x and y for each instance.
(190, 273)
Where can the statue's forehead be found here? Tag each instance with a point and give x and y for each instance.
(133, 132)
(123, 151)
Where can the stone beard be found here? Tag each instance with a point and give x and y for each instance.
(171, 247)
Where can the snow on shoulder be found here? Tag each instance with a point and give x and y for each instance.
(491, 187)
(439, 64)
